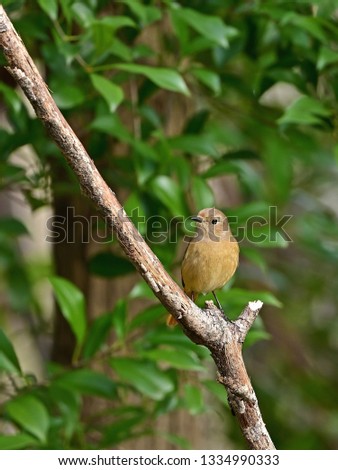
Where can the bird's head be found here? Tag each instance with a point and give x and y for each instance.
(212, 223)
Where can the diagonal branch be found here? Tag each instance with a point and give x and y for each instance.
(208, 327)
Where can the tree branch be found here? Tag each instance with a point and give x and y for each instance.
(207, 327)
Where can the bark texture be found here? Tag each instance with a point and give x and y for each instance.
(207, 326)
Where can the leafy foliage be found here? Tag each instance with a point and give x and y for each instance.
(182, 105)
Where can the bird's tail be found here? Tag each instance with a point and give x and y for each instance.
(171, 321)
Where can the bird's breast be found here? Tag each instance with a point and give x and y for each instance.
(208, 265)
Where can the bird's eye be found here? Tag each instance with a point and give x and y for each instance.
(214, 221)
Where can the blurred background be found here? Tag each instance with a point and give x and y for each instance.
(182, 105)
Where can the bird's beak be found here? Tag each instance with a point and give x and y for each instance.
(197, 219)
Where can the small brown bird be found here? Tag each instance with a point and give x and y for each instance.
(211, 257)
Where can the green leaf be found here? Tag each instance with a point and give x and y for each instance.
(255, 257)
(202, 193)
(68, 404)
(209, 79)
(65, 6)
(179, 359)
(133, 207)
(169, 193)
(12, 227)
(116, 22)
(147, 317)
(121, 50)
(127, 418)
(246, 154)
(30, 414)
(83, 14)
(50, 7)
(181, 166)
(144, 376)
(240, 297)
(146, 13)
(268, 298)
(202, 144)
(11, 98)
(265, 236)
(106, 264)
(112, 125)
(141, 289)
(326, 57)
(161, 336)
(309, 24)
(11, 173)
(254, 336)
(195, 125)
(163, 77)
(72, 305)
(17, 441)
(181, 29)
(97, 334)
(111, 93)
(222, 168)
(68, 96)
(87, 382)
(278, 164)
(8, 358)
(105, 37)
(119, 318)
(305, 110)
(241, 214)
(193, 399)
(145, 161)
(212, 27)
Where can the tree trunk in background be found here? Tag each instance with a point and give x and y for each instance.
(70, 261)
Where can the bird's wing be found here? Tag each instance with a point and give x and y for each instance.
(185, 254)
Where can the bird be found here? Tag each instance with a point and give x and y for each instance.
(211, 257)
